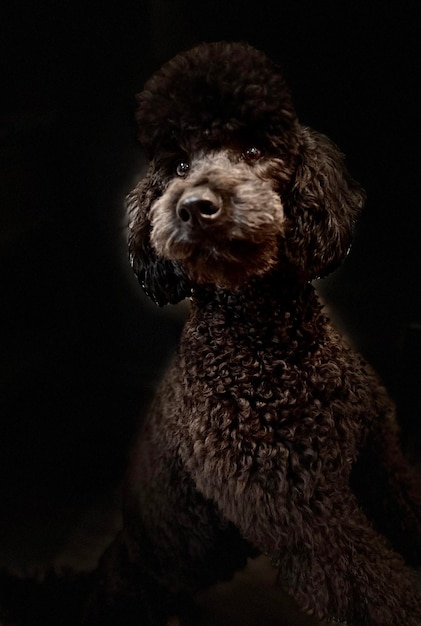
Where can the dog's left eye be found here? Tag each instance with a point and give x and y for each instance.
(182, 168)
(252, 154)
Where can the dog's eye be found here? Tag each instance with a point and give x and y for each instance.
(182, 168)
(252, 154)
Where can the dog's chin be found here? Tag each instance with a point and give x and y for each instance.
(228, 266)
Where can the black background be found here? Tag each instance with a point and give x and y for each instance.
(81, 348)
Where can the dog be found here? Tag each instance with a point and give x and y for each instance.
(268, 434)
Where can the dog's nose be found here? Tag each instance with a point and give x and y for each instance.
(199, 207)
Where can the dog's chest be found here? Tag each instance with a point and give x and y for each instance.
(259, 380)
(263, 398)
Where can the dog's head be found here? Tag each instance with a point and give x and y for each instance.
(236, 186)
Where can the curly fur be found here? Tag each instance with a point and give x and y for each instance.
(268, 433)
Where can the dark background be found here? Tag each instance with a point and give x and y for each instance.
(81, 348)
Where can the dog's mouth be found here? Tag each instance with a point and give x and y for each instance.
(229, 263)
(234, 252)
(222, 256)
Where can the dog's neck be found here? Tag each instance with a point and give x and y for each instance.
(273, 290)
(260, 305)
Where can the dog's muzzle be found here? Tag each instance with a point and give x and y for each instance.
(199, 207)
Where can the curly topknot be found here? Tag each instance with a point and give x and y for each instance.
(215, 89)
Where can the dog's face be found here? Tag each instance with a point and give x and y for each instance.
(220, 216)
(236, 187)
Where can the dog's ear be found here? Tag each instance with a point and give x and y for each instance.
(321, 207)
(163, 280)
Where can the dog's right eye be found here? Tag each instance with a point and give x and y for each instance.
(252, 154)
(182, 168)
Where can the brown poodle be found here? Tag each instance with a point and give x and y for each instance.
(268, 434)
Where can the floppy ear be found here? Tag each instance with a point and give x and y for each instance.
(321, 207)
(164, 281)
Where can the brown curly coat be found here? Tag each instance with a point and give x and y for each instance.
(268, 434)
